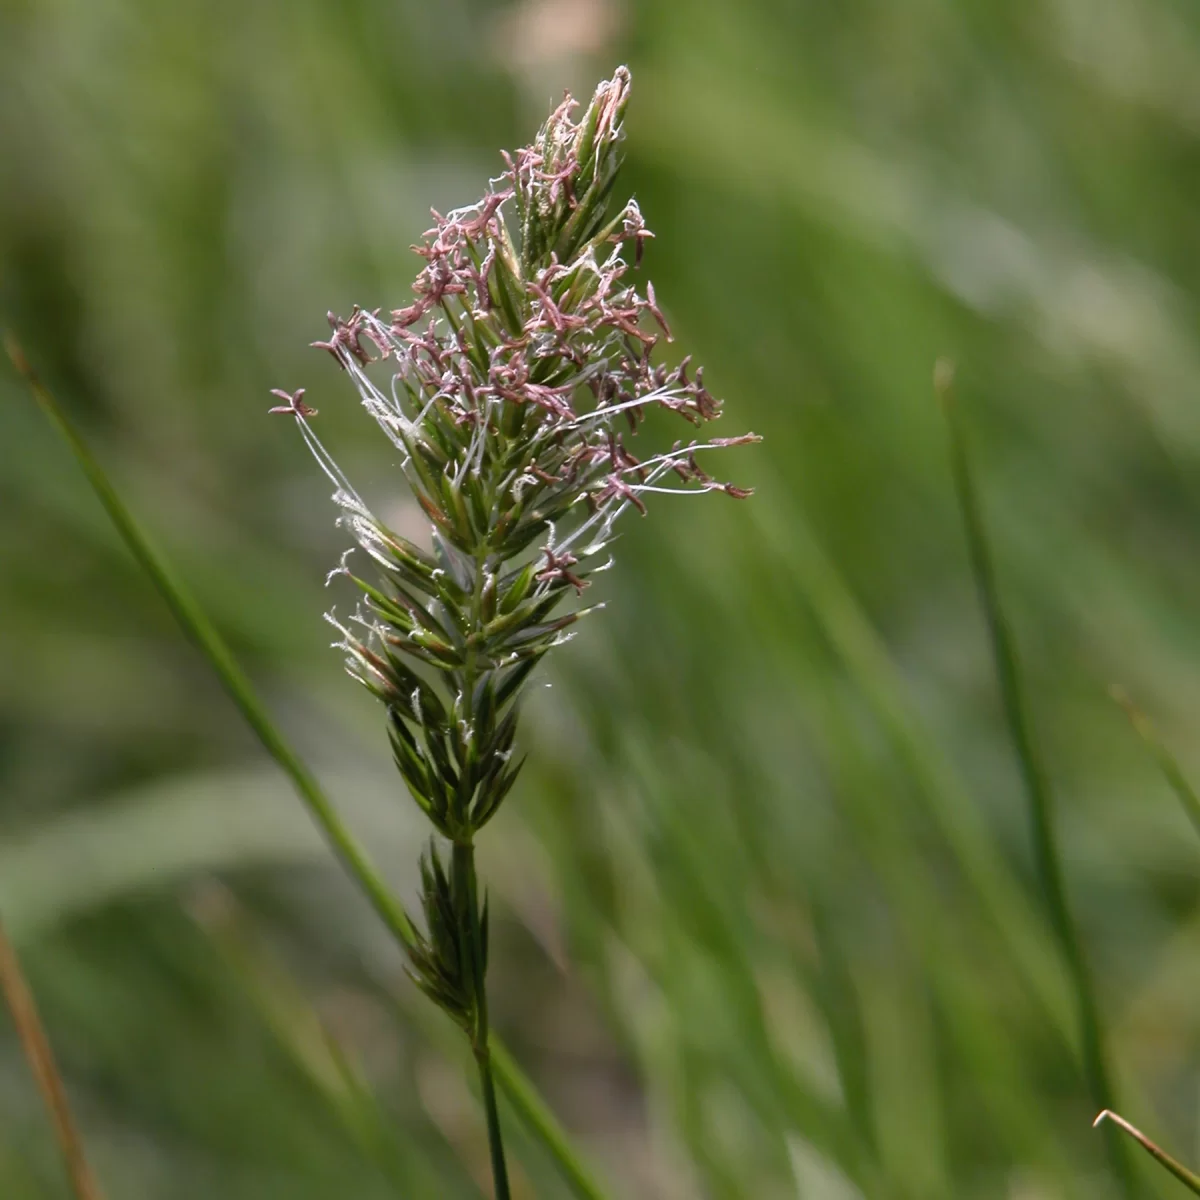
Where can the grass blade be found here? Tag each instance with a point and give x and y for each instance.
(353, 857)
(1167, 763)
(36, 1045)
(210, 643)
(1047, 853)
(1186, 1177)
(869, 666)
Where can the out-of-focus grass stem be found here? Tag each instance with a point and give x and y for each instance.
(353, 857)
(1167, 763)
(1005, 905)
(203, 633)
(32, 1036)
(1047, 853)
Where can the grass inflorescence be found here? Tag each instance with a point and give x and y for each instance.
(510, 386)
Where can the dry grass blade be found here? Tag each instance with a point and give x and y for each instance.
(36, 1045)
(1186, 1177)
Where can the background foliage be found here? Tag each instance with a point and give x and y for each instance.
(766, 923)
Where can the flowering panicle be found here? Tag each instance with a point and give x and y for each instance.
(511, 386)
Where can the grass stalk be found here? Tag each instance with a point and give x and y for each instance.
(1166, 761)
(858, 646)
(208, 641)
(474, 942)
(492, 1113)
(32, 1035)
(200, 630)
(1047, 853)
(1188, 1178)
(534, 1114)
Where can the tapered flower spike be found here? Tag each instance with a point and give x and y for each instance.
(509, 386)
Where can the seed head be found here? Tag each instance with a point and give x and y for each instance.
(509, 385)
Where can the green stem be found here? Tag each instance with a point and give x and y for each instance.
(1047, 853)
(535, 1115)
(1167, 763)
(466, 894)
(467, 886)
(357, 863)
(495, 1141)
(204, 635)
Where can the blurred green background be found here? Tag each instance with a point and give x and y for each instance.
(766, 918)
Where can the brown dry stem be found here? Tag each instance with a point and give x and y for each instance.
(35, 1043)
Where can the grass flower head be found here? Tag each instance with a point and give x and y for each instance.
(511, 386)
